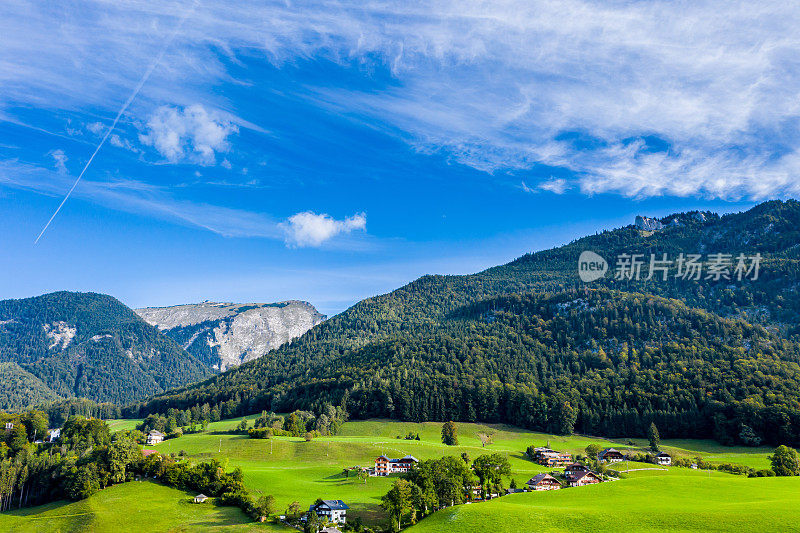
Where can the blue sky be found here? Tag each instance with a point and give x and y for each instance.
(330, 152)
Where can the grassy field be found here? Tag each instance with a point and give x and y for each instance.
(291, 469)
(136, 506)
(680, 500)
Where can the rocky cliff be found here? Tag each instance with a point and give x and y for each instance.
(224, 335)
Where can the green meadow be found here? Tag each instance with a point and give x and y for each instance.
(292, 469)
(675, 501)
(135, 506)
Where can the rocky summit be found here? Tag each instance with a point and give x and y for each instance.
(224, 335)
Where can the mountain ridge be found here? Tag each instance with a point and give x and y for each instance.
(91, 345)
(415, 331)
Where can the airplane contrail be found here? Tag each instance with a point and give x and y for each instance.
(119, 115)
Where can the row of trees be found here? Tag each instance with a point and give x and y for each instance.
(438, 483)
(88, 458)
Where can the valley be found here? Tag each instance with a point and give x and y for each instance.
(292, 469)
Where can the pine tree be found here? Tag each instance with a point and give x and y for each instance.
(653, 437)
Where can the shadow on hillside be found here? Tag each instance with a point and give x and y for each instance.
(27, 511)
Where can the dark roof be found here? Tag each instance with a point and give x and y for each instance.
(535, 480)
(582, 475)
(663, 454)
(608, 451)
(333, 505)
(576, 466)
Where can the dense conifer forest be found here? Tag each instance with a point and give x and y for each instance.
(528, 343)
(67, 344)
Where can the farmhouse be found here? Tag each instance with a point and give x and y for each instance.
(543, 482)
(583, 478)
(9, 426)
(663, 459)
(154, 437)
(53, 435)
(200, 498)
(385, 466)
(334, 510)
(575, 468)
(548, 457)
(610, 455)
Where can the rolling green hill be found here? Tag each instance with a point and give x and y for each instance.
(134, 506)
(519, 343)
(670, 502)
(86, 345)
(292, 469)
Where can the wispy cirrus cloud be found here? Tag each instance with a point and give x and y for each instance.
(59, 160)
(500, 87)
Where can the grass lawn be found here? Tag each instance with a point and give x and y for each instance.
(121, 424)
(682, 500)
(135, 506)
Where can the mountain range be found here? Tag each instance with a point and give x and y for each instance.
(66, 344)
(531, 344)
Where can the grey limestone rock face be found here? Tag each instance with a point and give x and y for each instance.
(648, 224)
(225, 335)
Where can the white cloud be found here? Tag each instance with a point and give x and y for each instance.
(555, 185)
(189, 134)
(493, 85)
(60, 161)
(96, 128)
(310, 229)
(125, 144)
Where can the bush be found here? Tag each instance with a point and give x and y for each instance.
(260, 433)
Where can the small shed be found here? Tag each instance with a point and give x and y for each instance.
(200, 498)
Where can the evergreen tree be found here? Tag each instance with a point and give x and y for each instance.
(653, 437)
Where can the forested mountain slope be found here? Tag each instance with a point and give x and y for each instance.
(87, 345)
(719, 354)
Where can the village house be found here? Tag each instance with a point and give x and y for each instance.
(53, 435)
(477, 493)
(334, 510)
(200, 498)
(9, 426)
(543, 482)
(610, 455)
(548, 457)
(575, 468)
(583, 478)
(385, 466)
(154, 437)
(663, 459)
